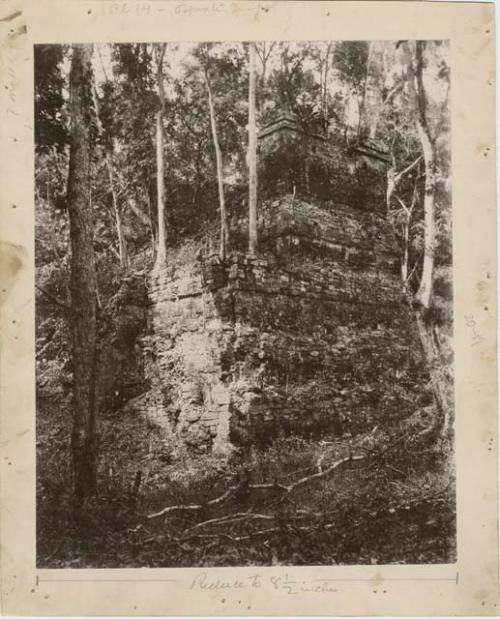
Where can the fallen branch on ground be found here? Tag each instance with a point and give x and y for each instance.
(215, 501)
(306, 528)
(237, 517)
(265, 486)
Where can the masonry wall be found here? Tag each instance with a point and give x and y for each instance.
(312, 337)
(292, 160)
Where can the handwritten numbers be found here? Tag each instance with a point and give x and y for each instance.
(125, 8)
(471, 323)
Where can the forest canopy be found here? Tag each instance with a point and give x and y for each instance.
(362, 86)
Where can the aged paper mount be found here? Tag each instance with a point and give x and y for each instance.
(471, 586)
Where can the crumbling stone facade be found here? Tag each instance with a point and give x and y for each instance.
(312, 336)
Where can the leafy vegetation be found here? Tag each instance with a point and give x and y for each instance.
(379, 503)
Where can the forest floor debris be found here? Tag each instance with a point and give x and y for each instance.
(398, 508)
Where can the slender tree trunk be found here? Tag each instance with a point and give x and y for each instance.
(406, 230)
(122, 243)
(151, 217)
(324, 95)
(51, 218)
(262, 84)
(439, 379)
(424, 293)
(266, 53)
(442, 387)
(361, 112)
(252, 156)
(160, 161)
(262, 79)
(138, 212)
(220, 180)
(364, 95)
(83, 277)
(404, 263)
(160, 189)
(373, 88)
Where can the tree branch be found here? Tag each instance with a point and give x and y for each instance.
(398, 176)
(325, 473)
(220, 499)
(266, 486)
(392, 92)
(437, 496)
(406, 209)
(414, 267)
(239, 516)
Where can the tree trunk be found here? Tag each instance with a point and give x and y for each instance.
(151, 217)
(361, 111)
(53, 236)
(442, 387)
(160, 190)
(83, 277)
(262, 82)
(404, 263)
(266, 53)
(122, 243)
(406, 231)
(424, 293)
(324, 94)
(252, 155)
(138, 212)
(361, 90)
(439, 380)
(160, 161)
(220, 181)
(373, 88)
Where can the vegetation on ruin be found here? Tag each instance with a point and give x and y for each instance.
(142, 156)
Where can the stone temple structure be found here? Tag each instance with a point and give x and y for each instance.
(313, 336)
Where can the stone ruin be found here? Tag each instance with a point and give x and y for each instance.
(311, 337)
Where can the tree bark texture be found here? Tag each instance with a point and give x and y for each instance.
(424, 294)
(138, 212)
(252, 155)
(373, 102)
(83, 276)
(160, 189)
(160, 160)
(324, 86)
(442, 386)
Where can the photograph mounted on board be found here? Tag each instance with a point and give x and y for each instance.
(244, 350)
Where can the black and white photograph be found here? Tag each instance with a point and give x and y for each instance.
(244, 304)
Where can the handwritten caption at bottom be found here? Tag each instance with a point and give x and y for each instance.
(285, 584)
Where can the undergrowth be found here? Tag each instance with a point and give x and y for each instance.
(395, 504)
